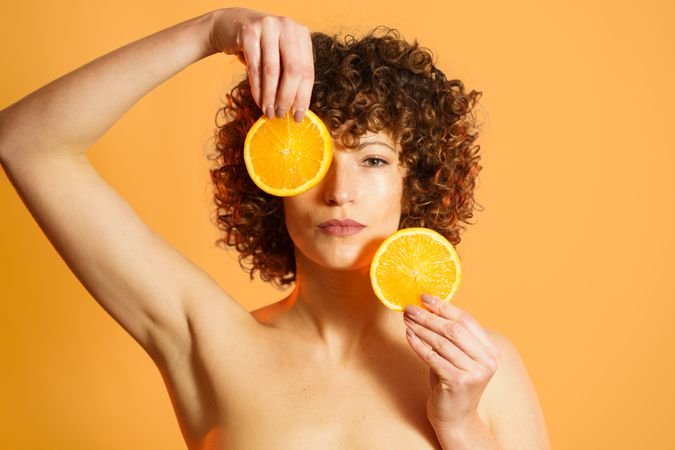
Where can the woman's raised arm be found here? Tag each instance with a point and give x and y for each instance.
(164, 301)
(75, 110)
(144, 283)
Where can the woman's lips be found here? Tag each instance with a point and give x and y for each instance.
(341, 231)
(341, 227)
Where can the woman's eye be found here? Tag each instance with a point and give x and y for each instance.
(380, 160)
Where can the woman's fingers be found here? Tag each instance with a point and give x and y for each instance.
(452, 330)
(452, 312)
(443, 346)
(440, 365)
(293, 63)
(287, 66)
(252, 58)
(304, 94)
(277, 52)
(271, 67)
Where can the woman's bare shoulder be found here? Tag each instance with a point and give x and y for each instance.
(498, 338)
(270, 315)
(511, 398)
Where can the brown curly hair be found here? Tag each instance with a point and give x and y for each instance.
(373, 83)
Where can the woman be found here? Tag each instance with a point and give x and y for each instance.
(328, 366)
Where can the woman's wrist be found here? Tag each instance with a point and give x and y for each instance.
(223, 29)
(471, 433)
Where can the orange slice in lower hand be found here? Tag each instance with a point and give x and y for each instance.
(412, 262)
(284, 157)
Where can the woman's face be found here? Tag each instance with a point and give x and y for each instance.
(364, 184)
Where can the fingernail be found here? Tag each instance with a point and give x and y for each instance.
(281, 111)
(269, 112)
(412, 310)
(298, 115)
(428, 299)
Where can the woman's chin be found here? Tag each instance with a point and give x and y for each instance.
(343, 263)
(356, 266)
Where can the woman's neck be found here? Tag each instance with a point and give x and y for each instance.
(337, 309)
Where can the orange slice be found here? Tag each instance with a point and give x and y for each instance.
(284, 157)
(411, 262)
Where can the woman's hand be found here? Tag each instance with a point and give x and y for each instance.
(271, 47)
(462, 359)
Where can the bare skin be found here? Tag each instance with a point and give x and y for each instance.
(327, 367)
(288, 394)
(331, 365)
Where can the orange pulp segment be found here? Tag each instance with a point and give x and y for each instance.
(411, 262)
(284, 157)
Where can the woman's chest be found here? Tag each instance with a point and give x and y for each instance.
(273, 394)
(289, 401)
(293, 408)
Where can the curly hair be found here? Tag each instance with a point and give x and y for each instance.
(368, 84)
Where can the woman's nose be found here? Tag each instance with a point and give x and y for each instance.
(339, 185)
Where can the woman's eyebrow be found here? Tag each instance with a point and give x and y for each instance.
(363, 144)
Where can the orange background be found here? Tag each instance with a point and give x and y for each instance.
(572, 258)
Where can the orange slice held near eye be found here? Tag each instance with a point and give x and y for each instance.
(286, 158)
(412, 262)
